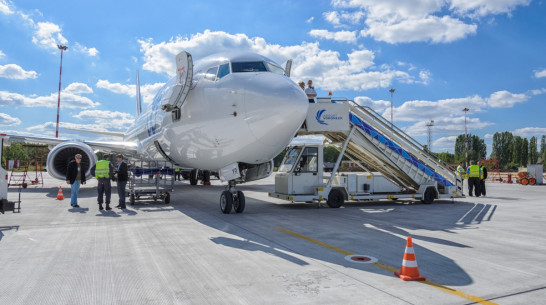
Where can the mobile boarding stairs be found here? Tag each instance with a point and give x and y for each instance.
(395, 166)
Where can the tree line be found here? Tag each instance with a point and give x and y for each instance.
(511, 151)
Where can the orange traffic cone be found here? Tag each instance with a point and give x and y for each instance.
(60, 195)
(409, 270)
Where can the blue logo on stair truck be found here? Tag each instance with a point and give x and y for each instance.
(322, 118)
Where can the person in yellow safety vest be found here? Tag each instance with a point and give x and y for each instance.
(460, 171)
(474, 174)
(103, 171)
(483, 176)
(177, 174)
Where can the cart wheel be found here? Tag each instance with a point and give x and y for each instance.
(532, 181)
(132, 199)
(167, 198)
(239, 202)
(25, 185)
(226, 202)
(524, 181)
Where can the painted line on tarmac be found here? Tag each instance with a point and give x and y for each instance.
(391, 269)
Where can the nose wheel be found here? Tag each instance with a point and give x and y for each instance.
(232, 199)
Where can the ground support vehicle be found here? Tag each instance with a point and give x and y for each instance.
(395, 166)
(150, 180)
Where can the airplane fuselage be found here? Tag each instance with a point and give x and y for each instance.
(240, 108)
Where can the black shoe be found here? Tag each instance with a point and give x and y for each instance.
(123, 207)
(100, 207)
(108, 208)
(76, 206)
(118, 206)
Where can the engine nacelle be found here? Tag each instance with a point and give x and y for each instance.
(59, 157)
(251, 172)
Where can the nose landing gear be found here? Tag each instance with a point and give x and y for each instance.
(232, 199)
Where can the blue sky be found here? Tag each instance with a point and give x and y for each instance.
(439, 55)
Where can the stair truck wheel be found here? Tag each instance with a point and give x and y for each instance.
(430, 195)
(335, 199)
(226, 202)
(239, 203)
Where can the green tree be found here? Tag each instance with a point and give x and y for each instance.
(524, 152)
(502, 147)
(15, 151)
(330, 154)
(477, 149)
(446, 157)
(543, 149)
(533, 153)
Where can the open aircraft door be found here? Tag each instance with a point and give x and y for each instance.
(184, 76)
(288, 67)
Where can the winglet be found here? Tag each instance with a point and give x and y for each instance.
(138, 97)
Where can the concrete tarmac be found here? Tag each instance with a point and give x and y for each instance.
(486, 250)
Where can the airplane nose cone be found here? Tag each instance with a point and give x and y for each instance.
(275, 109)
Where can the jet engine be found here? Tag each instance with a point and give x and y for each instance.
(59, 157)
(251, 172)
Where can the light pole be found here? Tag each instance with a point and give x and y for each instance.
(429, 126)
(465, 138)
(62, 48)
(392, 92)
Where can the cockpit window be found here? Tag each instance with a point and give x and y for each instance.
(274, 68)
(211, 73)
(253, 66)
(223, 71)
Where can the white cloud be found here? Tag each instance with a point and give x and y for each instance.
(530, 131)
(445, 126)
(540, 73)
(327, 69)
(48, 35)
(537, 91)
(342, 36)
(436, 21)
(444, 144)
(426, 110)
(2, 54)
(68, 100)
(505, 99)
(480, 8)
(310, 20)
(14, 71)
(147, 91)
(107, 119)
(431, 28)
(4, 8)
(78, 88)
(7, 120)
(377, 106)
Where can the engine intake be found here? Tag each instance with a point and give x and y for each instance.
(59, 157)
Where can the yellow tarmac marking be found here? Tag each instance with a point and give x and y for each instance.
(391, 269)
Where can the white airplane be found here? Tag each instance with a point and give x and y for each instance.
(235, 113)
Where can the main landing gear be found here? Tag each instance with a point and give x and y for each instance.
(232, 199)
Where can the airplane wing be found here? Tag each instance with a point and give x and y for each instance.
(127, 148)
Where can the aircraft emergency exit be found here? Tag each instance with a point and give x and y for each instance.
(236, 113)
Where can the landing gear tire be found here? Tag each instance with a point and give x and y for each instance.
(335, 199)
(239, 202)
(226, 202)
(193, 177)
(167, 198)
(430, 195)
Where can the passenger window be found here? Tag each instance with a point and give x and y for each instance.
(211, 73)
(223, 71)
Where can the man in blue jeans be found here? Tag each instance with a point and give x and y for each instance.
(121, 176)
(75, 175)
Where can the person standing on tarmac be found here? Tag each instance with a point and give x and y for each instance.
(474, 175)
(460, 171)
(482, 178)
(75, 176)
(103, 171)
(121, 177)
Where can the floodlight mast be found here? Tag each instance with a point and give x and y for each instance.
(62, 48)
(392, 108)
(429, 126)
